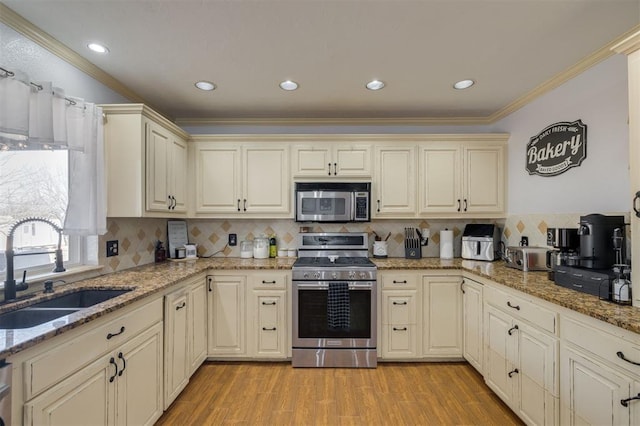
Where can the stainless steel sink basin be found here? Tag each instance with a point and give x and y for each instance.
(80, 299)
(46, 311)
(30, 317)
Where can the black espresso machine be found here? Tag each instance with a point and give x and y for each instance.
(589, 266)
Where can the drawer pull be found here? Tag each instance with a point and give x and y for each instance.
(110, 335)
(514, 371)
(597, 278)
(124, 364)
(516, 307)
(622, 357)
(181, 306)
(560, 271)
(268, 329)
(577, 275)
(399, 328)
(512, 329)
(269, 303)
(113, 362)
(577, 285)
(400, 282)
(399, 303)
(268, 282)
(625, 402)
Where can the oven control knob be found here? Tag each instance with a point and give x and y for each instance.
(363, 275)
(334, 275)
(352, 274)
(316, 275)
(305, 275)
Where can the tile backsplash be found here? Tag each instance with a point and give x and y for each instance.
(137, 237)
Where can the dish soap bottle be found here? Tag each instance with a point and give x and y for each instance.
(273, 250)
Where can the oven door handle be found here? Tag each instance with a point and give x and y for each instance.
(352, 286)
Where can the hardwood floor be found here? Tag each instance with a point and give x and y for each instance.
(222, 393)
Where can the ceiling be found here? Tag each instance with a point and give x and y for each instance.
(159, 49)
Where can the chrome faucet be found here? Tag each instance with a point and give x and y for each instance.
(10, 286)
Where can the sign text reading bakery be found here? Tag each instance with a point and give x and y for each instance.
(557, 148)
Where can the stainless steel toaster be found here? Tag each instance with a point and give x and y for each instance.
(526, 258)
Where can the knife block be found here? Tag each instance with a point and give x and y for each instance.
(413, 252)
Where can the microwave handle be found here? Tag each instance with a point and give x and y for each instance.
(353, 206)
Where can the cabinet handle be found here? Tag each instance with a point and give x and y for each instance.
(399, 303)
(622, 357)
(462, 287)
(335, 169)
(625, 402)
(245, 204)
(110, 335)
(378, 206)
(181, 306)
(516, 307)
(175, 202)
(512, 372)
(268, 282)
(512, 329)
(268, 329)
(399, 328)
(124, 364)
(329, 168)
(268, 303)
(209, 282)
(635, 209)
(458, 204)
(400, 282)
(112, 361)
(465, 204)
(169, 202)
(238, 204)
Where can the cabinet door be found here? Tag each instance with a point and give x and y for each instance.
(312, 161)
(352, 160)
(218, 185)
(158, 142)
(227, 315)
(442, 316)
(499, 354)
(266, 180)
(139, 381)
(177, 363)
(82, 399)
(537, 376)
(440, 174)
(270, 329)
(197, 326)
(178, 180)
(483, 179)
(472, 320)
(590, 392)
(395, 182)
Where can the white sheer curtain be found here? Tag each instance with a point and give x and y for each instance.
(36, 116)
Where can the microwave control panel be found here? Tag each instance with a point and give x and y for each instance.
(362, 206)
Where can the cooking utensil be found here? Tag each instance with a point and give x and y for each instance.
(387, 237)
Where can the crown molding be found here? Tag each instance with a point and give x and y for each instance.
(498, 138)
(146, 111)
(629, 44)
(37, 35)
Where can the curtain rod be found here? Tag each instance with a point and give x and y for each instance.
(36, 85)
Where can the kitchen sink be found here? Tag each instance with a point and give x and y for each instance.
(42, 312)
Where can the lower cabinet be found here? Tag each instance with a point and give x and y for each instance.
(227, 315)
(441, 316)
(122, 387)
(472, 324)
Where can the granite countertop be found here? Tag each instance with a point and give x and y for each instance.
(150, 279)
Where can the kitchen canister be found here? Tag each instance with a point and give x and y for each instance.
(446, 244)
(246, 249)
(261, 247)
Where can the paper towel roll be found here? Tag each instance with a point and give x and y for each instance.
(446, 244)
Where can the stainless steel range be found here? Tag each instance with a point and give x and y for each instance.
(334, 302)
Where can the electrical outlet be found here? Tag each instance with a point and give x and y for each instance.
(524, 241)
(233, 239)
(112, 248)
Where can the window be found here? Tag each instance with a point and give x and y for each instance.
(34, 184)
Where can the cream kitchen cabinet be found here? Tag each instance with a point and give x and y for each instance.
(521, 356)
(268, 314)
(331, 160)
(197, 327)
(241, 179)
(399, 313)
(146, 163)
(472, 324)
(463, 178)
(394, 184)
(441, 316)
(227, 315)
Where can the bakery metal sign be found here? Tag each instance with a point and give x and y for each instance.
(557, 148)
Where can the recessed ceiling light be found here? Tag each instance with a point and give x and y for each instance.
(98, 48)
(375, 85)
(463, 84)
(288, 85)
(205, 85)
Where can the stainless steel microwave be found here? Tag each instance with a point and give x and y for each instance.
(333, 201)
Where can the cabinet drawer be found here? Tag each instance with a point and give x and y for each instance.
(399, 281)
(399, 308)
(50, 367)
(521, 308)
(270, 280)
(598, 342)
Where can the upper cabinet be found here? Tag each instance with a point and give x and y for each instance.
(331, 160)
(463, 176)
(394, 185)
(241, 179)
(146, 158)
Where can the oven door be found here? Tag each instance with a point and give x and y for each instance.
(311, 328)
(324, 206)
